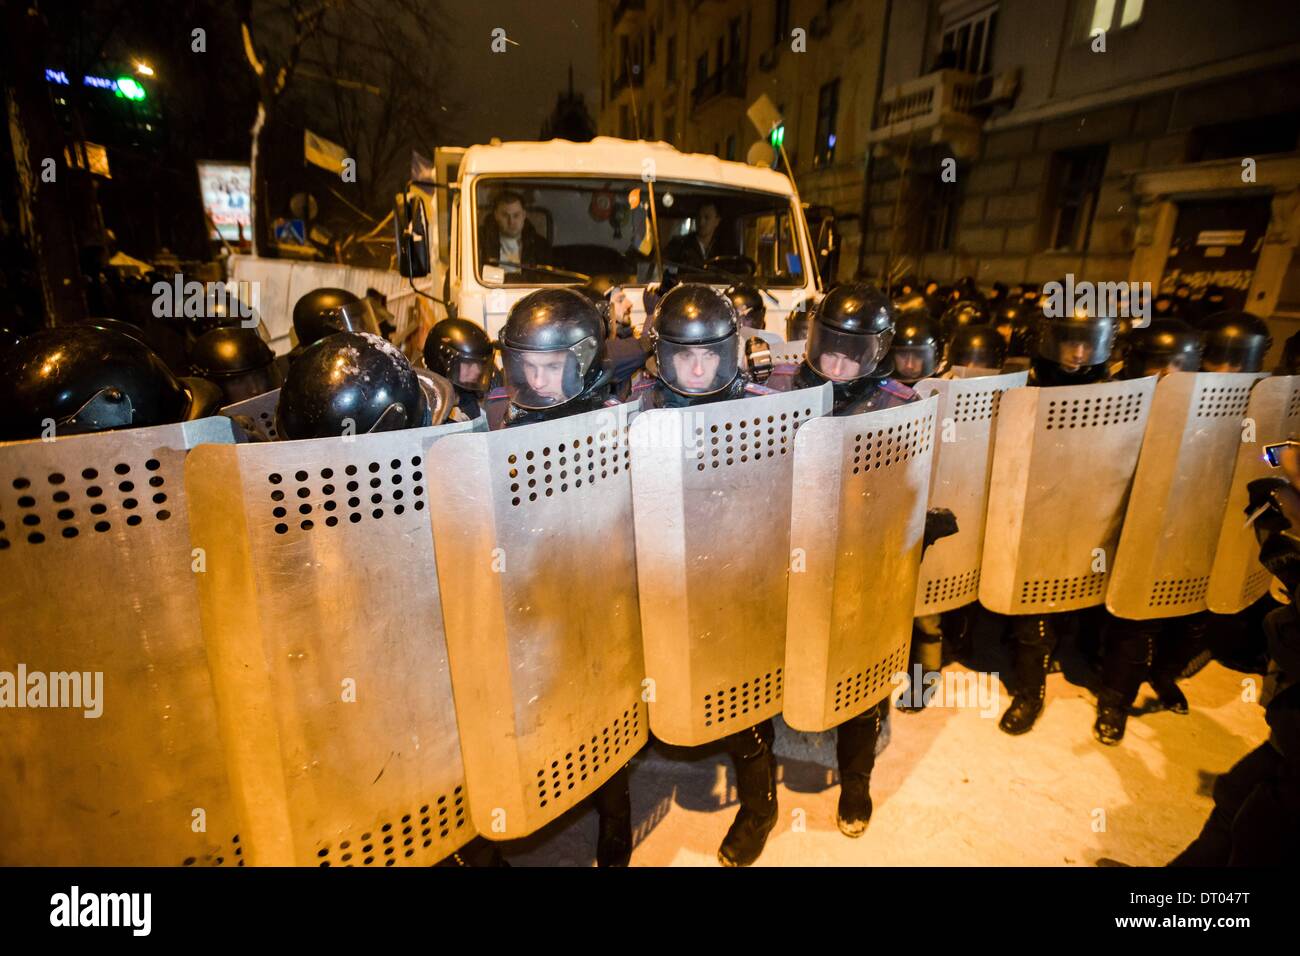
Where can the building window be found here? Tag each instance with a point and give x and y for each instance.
(940, 214)
(624, 122)
(701, 70)
(968, 42)
(649, 129)
(828, 102)
(733, 41)
(731, 146)
(1111, 14)
(670, 130)
(1076, 181)
(672, 58)
(780, 22)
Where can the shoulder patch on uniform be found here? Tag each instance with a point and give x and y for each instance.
(898, 389)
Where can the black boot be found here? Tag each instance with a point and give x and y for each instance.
(478, 852)
(1126, 659)
(1035, 641)
(751, 750)
(613, 804)
(1174, 650)
(1112, 716)
(855, 746)
(1171, 698)
(926, 663)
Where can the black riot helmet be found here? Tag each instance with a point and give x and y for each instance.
(1163, 346)
(910, 302)
(978, 346)
(350, 383)
(851, 332)
(696, 340)
(1235, 342)
(552, 348)
(1166, 306)
(964, 312)
(236, 360)
(1075, 341)
(323, 312)
(223, 308)
(87, 379)
(916, 348)
(751, 311)
(460, 351)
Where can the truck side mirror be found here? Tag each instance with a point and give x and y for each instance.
(412, 230)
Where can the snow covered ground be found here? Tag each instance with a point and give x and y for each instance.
(950, 789)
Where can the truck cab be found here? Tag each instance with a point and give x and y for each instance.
(517, 217)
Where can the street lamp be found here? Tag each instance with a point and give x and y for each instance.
(143, 68)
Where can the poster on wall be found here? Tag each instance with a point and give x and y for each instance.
(227, 199)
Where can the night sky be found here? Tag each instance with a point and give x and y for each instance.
(510, 94)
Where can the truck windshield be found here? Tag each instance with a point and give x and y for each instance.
(548, 231)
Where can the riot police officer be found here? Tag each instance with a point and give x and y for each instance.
(354, 383)
(554, 364)
(750, 308)
(1073, 349)
(849, 346)
(962, 313)
(323, 312)
(461, 352)
(916, 349)
(85, 379)
(236, 360)
(974, 346)
(1166, 345)
(1235, 342)
(1157, 649)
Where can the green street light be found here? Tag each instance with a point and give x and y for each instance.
(128, 86)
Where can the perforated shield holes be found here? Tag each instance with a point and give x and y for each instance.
(733, 706)
(867, 684)
(1045, 593)
(420, 836)
(893, 445)
(744, 440)
(57, 505)
(1222, 401)
(609, 749)
(260, 409)
(361, 490)
(1178, 591)
(955, 588)
(1094, 411)
(545, 470)
(232, 854)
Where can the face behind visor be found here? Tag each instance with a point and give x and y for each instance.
(1075, 343)
(846, 356)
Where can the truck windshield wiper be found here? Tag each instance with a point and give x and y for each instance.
(729, 276)
(537, 267)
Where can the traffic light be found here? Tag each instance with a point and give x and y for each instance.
(777, 136)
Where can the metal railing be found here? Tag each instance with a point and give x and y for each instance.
(926, 99)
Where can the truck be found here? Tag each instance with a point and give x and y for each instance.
(626, 211)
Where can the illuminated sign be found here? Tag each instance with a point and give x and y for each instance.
(226, 190)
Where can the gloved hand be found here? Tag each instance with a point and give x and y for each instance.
(939, 523)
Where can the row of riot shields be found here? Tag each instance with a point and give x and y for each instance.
(365, 650)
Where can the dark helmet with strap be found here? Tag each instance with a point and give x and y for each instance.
(552, 348)
(978, 346)
(460, 351)
(1075, 341)
(696, 341)
(87, 379)
(852, 331)
(350, 383)
(323, 312)
(751, 311)
(1235, 342)
(1166, 345)
(916, 349)
(236, 360)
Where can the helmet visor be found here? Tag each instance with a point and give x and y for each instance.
(543, 379)
(698, 369)
(1076, 344)
(471, 374)
(356, 316)
(845, 356)
(913, 362)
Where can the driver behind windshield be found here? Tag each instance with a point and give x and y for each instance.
(706, 242)
(508, 239)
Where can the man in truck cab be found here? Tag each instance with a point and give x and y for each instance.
(508, 239)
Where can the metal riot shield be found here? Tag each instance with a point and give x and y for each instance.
(789, 353)
(99, 600)
(1237, 579)
(712, 487)
(538, 572)
(1175, 510)
(856, 526)
(959, 480)
(323, 626)
(260, 410)
(1063, 461)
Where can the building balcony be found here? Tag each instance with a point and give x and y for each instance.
(726, 82)
(946, 106)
